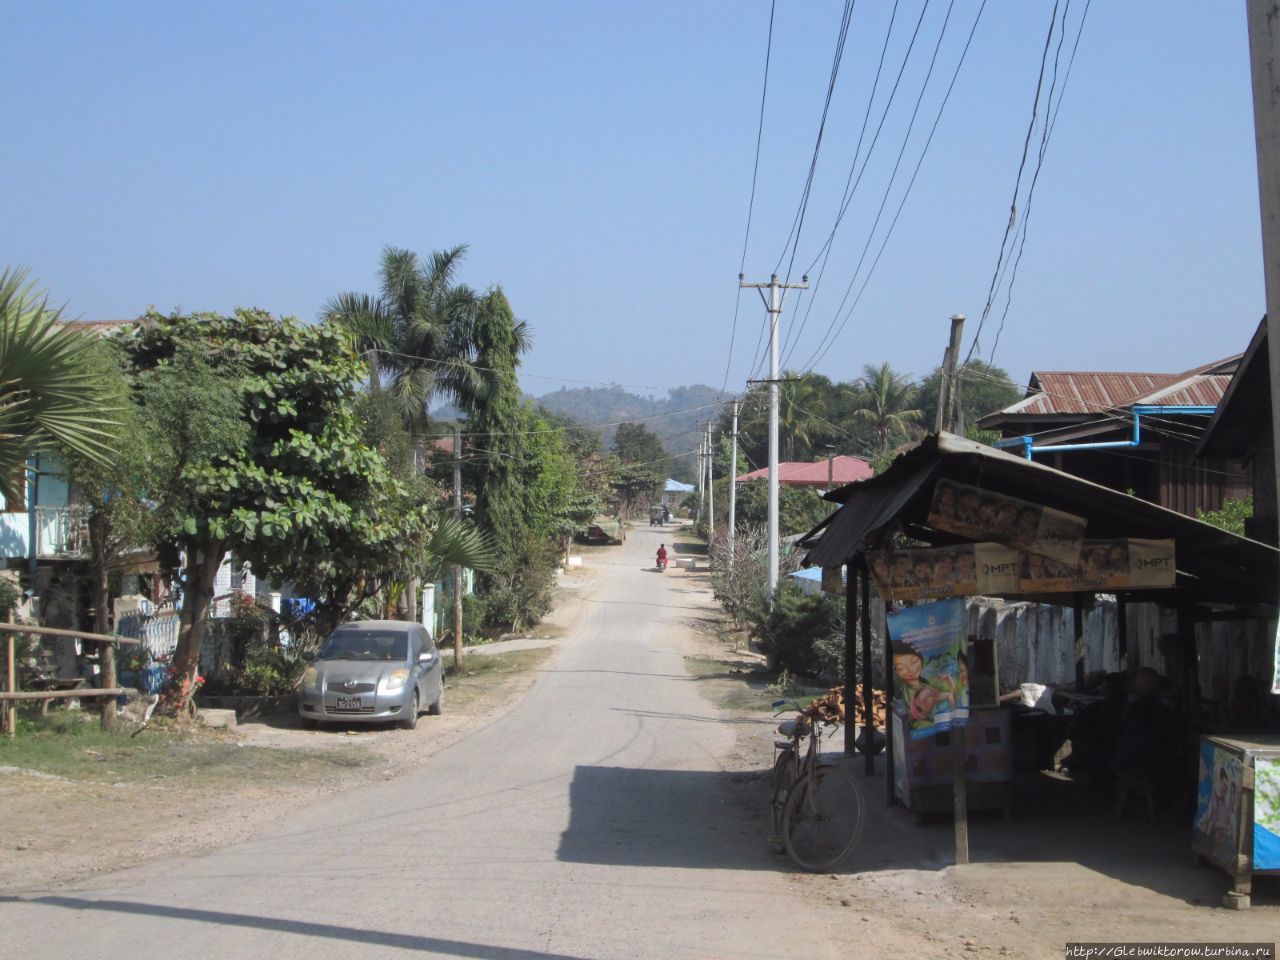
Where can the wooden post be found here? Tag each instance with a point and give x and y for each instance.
(1077, 629)
(107, 653)
(868, 681)
(850, 658)
(960, 792)
(1122, 631)
(888, 726)
(10, 708)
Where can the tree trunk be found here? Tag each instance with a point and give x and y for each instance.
(99, 553)
(202, 569)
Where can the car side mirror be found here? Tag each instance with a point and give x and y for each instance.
(309, 657)
(426, 657)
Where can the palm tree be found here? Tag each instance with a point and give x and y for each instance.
(882, 403)
(418, 334)
(797, 421)
(49, 392)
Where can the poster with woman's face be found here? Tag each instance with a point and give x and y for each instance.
(929, 666)
(1025, 526)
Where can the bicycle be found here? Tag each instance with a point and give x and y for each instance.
(816, 808)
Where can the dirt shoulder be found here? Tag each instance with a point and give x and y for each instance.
(1064, 869)
(97, 804)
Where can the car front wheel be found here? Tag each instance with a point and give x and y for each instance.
(411, 719)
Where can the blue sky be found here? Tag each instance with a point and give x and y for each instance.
(597, 158)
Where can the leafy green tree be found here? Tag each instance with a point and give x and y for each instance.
(800, 509)
(883, 403)
(261, 448)
(50, 391)
(642, 464)
(1231, 516)
(983, 389)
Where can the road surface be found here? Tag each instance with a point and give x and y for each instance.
(592, 820)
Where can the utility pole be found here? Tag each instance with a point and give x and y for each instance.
(457, 568)
(950, 415)
(777, 291)
(711, 490)
(733, 486)
(1264, 56)
(702, 490)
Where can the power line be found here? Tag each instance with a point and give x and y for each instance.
(793, 238)
(1017, 184)
(906, 138)
(1050, 120)
(834, 330)
(755, 171)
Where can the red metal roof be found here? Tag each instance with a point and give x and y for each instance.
(842, 470)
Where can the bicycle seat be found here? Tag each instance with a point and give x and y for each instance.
(792, 728)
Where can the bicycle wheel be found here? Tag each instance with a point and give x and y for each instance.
(780, 784)
(822, 819)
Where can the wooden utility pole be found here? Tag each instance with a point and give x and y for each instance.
(777, 291)
(950, 415)
(1264, 56)
(457, 568)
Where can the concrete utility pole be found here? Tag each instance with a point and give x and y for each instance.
(774, 306)
(702, 490)
(457, 568)
(733, 486)
(1264, 56)
(950, 415)
(711, 490)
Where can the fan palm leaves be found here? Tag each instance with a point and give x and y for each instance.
(883, 403)
(49, 392)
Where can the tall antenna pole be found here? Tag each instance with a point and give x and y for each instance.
(774, 306)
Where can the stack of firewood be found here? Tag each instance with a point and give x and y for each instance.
(830, 706)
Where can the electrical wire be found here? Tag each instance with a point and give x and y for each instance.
(797, 225)
(755, 171)
(1050, 122)
(1017, 184)
(906, 138)
(835, 329)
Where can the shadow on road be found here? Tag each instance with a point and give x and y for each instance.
(659, 818)
(328, 931)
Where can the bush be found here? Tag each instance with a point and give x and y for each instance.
(792, 633)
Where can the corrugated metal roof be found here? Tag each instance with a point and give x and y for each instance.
(1066, 392)
(1213, 565)
(843, 470)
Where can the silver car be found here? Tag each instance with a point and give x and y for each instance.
(375, 671)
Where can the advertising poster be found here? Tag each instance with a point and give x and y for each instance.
(1218, 801)
(1266, 813)
(1104, 565)
(1025, 526)
(961, 571)
(931, 675)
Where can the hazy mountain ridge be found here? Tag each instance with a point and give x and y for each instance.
(677, 418)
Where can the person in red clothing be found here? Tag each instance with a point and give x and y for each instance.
(662, 556)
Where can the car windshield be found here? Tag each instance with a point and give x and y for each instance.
(365, 645)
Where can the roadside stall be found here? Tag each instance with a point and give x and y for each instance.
(952, 520)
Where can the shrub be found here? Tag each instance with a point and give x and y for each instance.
(790, 633)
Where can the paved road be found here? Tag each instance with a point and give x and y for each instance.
(592, 820)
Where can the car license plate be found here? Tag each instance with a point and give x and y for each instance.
(348, 703)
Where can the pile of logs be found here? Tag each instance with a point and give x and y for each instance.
(830, 706)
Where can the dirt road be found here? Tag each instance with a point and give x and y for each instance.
(594, 819)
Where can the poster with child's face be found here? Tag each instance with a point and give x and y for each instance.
(984, 515)
(929, 665)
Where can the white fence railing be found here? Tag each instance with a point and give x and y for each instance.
(61, 532)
